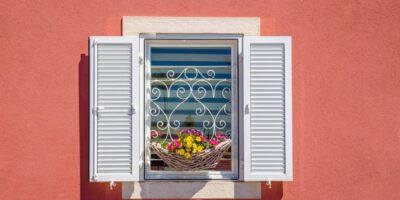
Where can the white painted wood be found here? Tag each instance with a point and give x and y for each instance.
(114, 89)
(191, 25)
(191, 189)
(267, 108)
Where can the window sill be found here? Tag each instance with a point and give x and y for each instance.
(191, 189)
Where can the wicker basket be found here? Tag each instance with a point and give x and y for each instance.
(207, 159)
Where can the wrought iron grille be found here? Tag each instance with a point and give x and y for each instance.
(191, 98)
(189, 88)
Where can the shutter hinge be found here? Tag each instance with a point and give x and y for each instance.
(94, 43)
(95, 111)
(140, 60)
(95, 178)
(247, 109)
(132, 110)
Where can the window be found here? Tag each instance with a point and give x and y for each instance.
(235, 85)
(191, 84)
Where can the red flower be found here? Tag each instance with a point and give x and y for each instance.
(213, 141)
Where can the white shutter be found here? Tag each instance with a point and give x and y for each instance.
(268, 108)
(114, 120)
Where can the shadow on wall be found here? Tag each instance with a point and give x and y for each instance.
(98, 191)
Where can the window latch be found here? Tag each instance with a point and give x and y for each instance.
(247, 109)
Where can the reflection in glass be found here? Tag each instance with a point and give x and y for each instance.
(190, 88)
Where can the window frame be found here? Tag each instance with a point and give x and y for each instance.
(236, 172)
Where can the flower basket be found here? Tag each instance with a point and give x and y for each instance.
(206, 159)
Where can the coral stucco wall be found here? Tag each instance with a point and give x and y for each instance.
(346, 92)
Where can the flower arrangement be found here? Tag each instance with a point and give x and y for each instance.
(188, 142)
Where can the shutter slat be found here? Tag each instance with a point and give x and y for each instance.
(114, 155)
(266, 63)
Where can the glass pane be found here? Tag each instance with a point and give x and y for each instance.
(190, 88)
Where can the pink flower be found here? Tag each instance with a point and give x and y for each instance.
(203, 139)
(154, 134)
(184, 131)
(178, 144)
(197, 132)
(213, 141)
(190, 131)
(221, 137)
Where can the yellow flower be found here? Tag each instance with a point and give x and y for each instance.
(198, 139)
(199, 148)
(194, 151)
(178, 151)
(187, 155)
(189, 144)
(181, 152)
(194, 146)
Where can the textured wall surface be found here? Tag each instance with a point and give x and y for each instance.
(346, 92)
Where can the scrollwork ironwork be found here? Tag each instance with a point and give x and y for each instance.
(205, 82)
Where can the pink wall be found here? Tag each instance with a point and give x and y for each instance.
(346, 92)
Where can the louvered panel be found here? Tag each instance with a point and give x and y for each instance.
(260, 92)
(266, 134)
(114, 78)
(114, 120)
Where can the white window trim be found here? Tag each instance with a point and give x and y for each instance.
(237, 173)
(191, 190)
(209, 41)
(249, 26)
